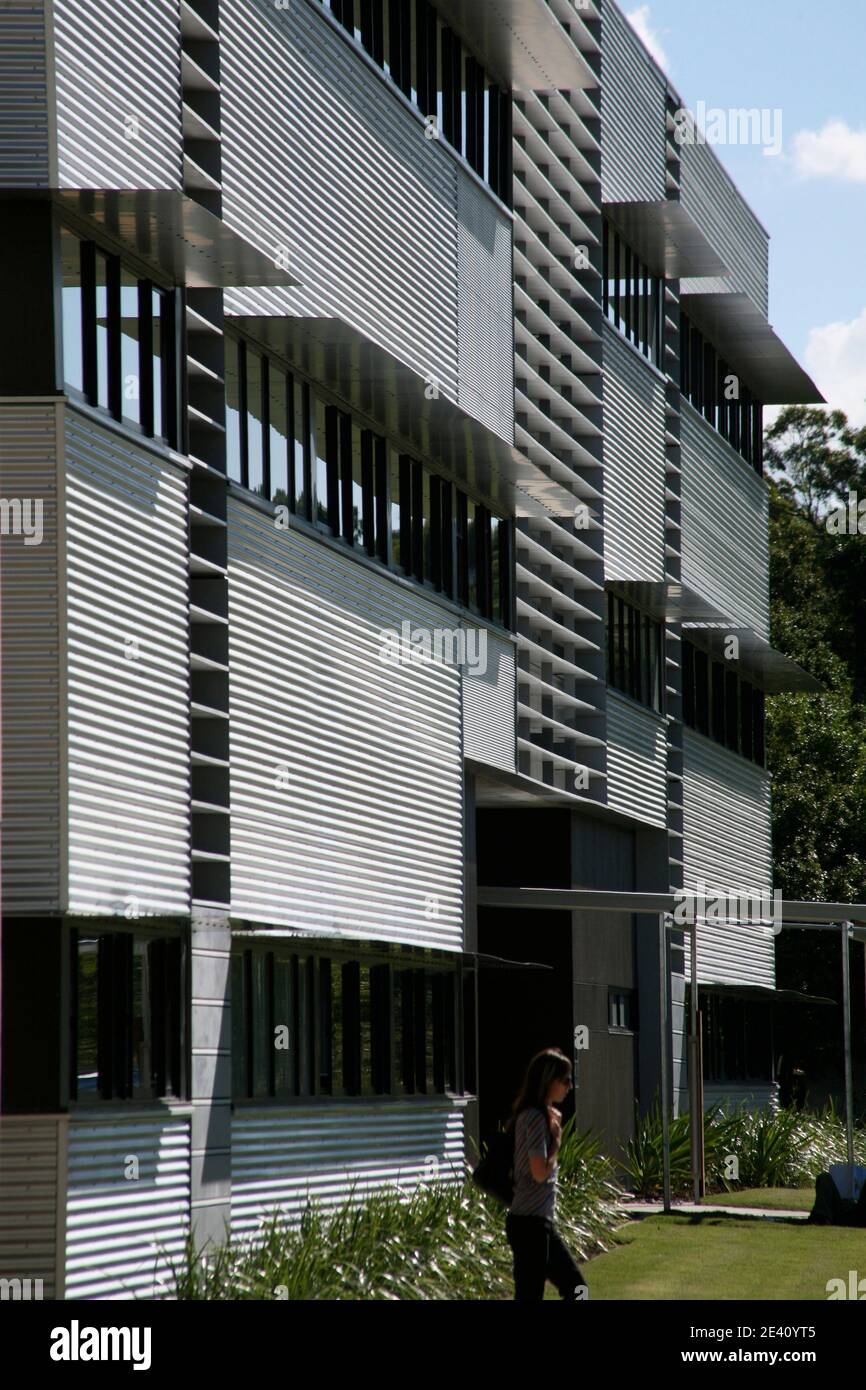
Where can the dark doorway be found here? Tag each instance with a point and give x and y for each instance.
(520, 1011)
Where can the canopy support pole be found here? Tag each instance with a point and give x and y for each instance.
(664, 1058)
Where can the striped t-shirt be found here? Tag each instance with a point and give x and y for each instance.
(531, 1198)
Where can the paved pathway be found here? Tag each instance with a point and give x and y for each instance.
(633, 1208)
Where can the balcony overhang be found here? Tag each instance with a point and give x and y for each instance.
(767, 668)
(667, 238)
(521, 43)
(370, 379)
(738, 329)
(175, 233)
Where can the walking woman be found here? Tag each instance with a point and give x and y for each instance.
(539, 1251)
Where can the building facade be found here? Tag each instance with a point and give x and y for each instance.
(380, 448)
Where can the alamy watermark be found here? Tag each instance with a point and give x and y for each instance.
(442, 646)
(733, 908)
(22, 516)
(735, 126)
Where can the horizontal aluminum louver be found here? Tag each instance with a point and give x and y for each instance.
(281, 1159)
(710, 195)
(121, 1231)
(363, 206)
(633, 115)
(488, 705)
(127, 675)
(31, 671)
(634, 465)
(31, 1151)
(346, 779)
(636, 761)
(118, 84)
(724, 525)
(727, 846)
(485, 310)
(24, 125)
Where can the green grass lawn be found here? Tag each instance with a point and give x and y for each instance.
(720, 1257)
(775, 1198)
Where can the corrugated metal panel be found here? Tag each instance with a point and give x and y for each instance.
(118, 93)
(636, 761)
(31, 664)
(708, 192)
(128, 675)
(320, 159)
(283, 1159)
(488, 705)
(727, 846)
(633, 95)
(24, 129)
(119, 1229)
(346, 782)
(29, 1157)
(724, 525)
(485, 311)
(634, 465)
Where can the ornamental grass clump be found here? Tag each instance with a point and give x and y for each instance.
(443, 1240)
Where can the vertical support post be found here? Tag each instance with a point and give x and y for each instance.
(664, 1058)
(846, 1023)
(694, 1066)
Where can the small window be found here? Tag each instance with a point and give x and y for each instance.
(130, 360)
(255, 422)
(234, 463)
(620, 1010)
(73, 327)
(278, 435)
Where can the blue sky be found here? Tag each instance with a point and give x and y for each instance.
(806, 59)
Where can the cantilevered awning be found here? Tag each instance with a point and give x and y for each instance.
(188, 243)
(739, 331)
(667, 238)
(521, 43)
(766, 994)
(767, 668)
(375, 382)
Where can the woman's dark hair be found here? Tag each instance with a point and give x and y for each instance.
(547, 1066)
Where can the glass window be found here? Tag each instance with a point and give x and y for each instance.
(278, 434)
(87, 1065)
(394, 491)
(159, 302)
(73, 328)
(255, 422)
(472, 555)
(301, 432)
(130, 363)
(102, 397)
(233, 408)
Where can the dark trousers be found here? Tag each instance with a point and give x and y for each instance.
(540, 1253)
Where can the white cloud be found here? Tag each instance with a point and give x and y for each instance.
(639, 20)
(834, 152)
(836, 358)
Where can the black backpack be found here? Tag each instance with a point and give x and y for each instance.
(495, 1170)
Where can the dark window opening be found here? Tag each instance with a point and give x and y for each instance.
(632, 297)
(119, 348)
(635, 651)
(305, 1024)
(720, 703)
(714, 389)
(126, 1017)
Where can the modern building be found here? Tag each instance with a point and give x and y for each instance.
(380, 466)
